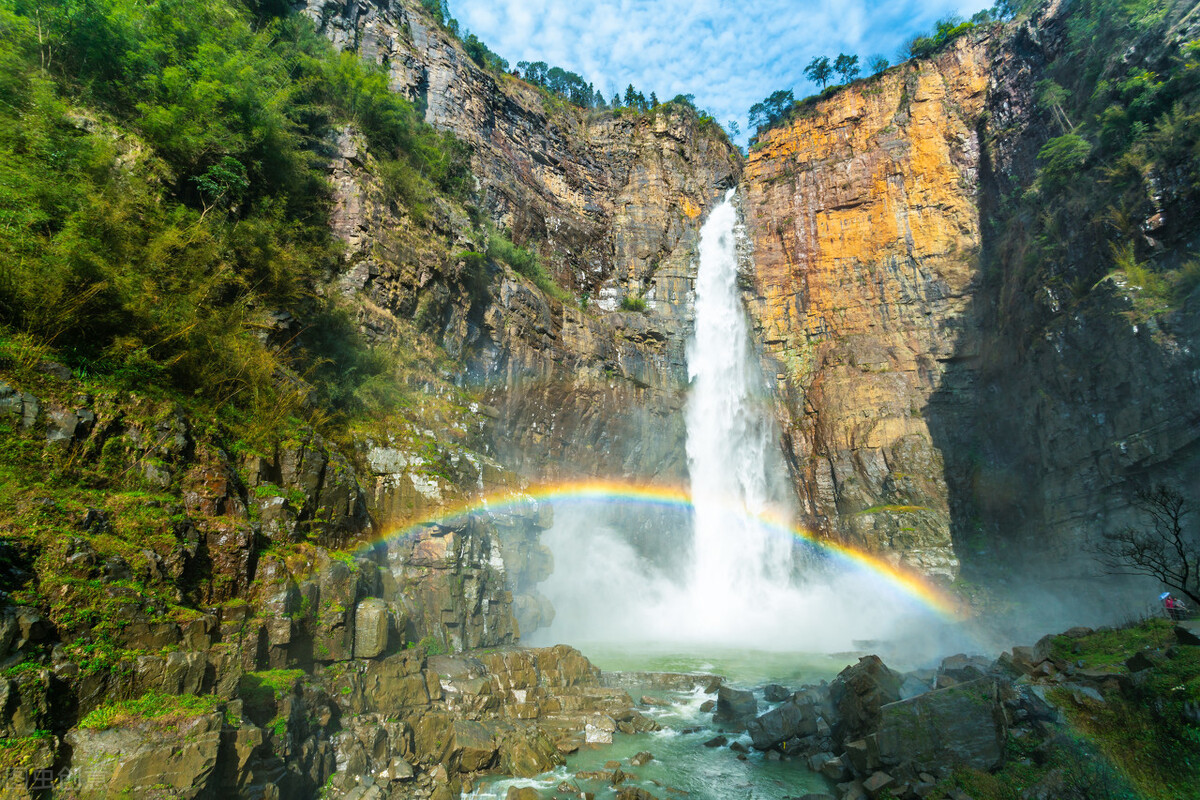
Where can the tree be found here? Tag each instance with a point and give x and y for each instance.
(1168, 549)
(1052, 97)
(1062, 158)
(772, 109)
(653, 100)
(846, 66)
(819, 71)
(878, 64)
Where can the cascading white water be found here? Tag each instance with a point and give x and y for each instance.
(729, 441)
(738, 588)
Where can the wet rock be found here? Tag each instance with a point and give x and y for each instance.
(858, 693)
(734, 705)
(1188, 632)
(961, 669)
(641, 759)
(783, 722)
(877, 784)
(117, 569)
(634, 793)
(371, 628)
(774, 693)
(738, 747)
(599, 729)
(707, 706)
(835, 769)
(522, 793)
(912, 687)
(960, 726)
(474, 748)
(717, 741)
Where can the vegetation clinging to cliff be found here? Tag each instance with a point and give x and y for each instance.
(1118, 180)
(163, 196)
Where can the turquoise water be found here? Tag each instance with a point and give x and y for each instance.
(681, 762)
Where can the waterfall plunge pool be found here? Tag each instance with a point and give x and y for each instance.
(681, 761)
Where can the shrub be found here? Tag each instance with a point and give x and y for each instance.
(636, 303)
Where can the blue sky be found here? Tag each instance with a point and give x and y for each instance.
(729, 53)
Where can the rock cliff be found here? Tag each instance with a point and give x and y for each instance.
(946, 396)
(866, 232)
(612, 202)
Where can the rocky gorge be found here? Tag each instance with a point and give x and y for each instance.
(337, 609)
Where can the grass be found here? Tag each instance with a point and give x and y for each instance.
(1144, 731)
(1109, 648)
(892, 509)
(635, 303)
(268, 685)
(19, 752)
(164, 710)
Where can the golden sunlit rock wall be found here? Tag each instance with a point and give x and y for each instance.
(865, 224)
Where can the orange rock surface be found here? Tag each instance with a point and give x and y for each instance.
(866, 232)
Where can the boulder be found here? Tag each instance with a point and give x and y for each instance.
(371, 626)
(474, 749)
(144, 759)
(912, 687)
(1188, 632)
(781, 723)
(774, 693)
(858, 693)
(877, 784)
(862, 755)
(717, 741)
(641, 759)
(962, 726)
(707, 706)
(734, 705)
(835, 769)
(634, 793)
(522, 793)
(963, 668)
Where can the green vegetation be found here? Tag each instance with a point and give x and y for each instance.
(524, 262)
(633, 302)
(1127, 121)
(432, 645)
(159, 190)
(1139, 743)
(19, 753)
(263, 688)
(164, 710)
(1145, 730)
(1106, 649)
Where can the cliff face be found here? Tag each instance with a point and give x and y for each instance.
(866, 229)
(613, 203)
(946, 396)
(607, 199)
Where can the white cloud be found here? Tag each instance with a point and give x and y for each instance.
(728, 53)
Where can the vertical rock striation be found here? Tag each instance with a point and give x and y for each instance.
(865, 221)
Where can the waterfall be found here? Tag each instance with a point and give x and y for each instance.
(739, 588)
(731, 450)
(728, 439)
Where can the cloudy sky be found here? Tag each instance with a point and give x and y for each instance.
(728, 53)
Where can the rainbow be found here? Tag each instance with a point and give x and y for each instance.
(678, 498)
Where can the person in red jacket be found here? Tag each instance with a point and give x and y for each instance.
(1174, 607)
